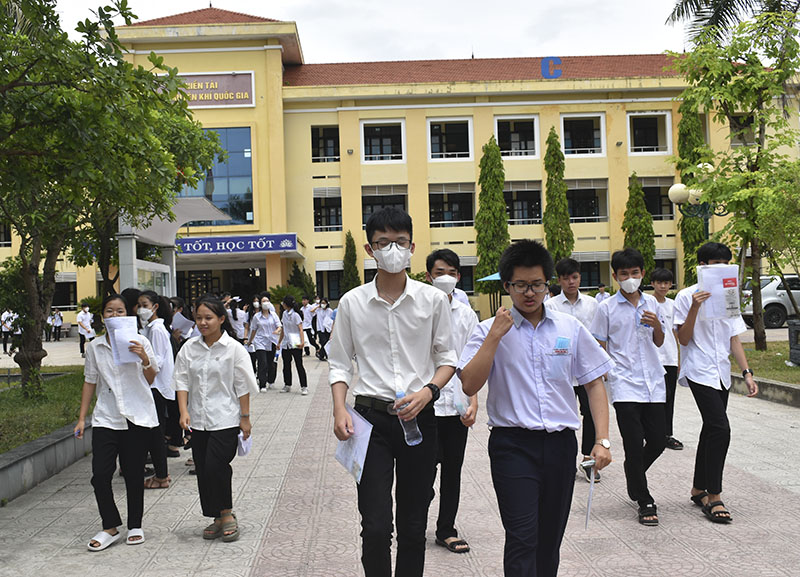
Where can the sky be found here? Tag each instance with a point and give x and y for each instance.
(375, 30)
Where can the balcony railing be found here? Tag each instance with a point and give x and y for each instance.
(588, 219)
(522, 221)
(327, 227)
(657, 148)
(451, 223)
(593, 150)
(380, 157)
(325, 159)
(530, 152)
(450, 154)
(668, 216)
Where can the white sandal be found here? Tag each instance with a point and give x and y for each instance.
(135, 533)
(105, 540)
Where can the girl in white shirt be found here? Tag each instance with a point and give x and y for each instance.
(121, 426)
(263, 326)
(237, 319)
(324, 326)
(213, 379)
(292, 342)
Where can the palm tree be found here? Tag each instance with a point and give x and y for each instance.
(722, 15)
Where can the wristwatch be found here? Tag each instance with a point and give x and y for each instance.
(605, 443)
(747, 372)
(435, 391)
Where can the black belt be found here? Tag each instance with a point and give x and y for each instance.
(380, 404)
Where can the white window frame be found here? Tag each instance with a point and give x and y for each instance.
(470, 138)
(536, 139)
(603, 143)
(668, 130)
(368, 121)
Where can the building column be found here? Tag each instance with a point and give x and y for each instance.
(276, 270)
(127, 261)
(168, 258)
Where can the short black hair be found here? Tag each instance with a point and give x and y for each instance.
(446, 255)
(627, 258)
(554, 290)
(567, 267)
(661, 275)
(525, 253)
(601, 285)
(713, 251)
(388, 218)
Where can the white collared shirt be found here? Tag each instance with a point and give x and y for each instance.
(292, 324)
(668, 352)
(123, 394)
(638, 376)
(325, 319)
(159, 338)
(535, 369)
(215, 378)
(705, 360)
(85, 319)
(398, 346)
(464, 320)
(265, 327)
(584, 308)
(238, 322)
(600, 297)
(461, 296)
(308, 313)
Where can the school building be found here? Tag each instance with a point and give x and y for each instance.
(313, 149)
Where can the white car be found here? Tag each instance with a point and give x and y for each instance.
(774, 298)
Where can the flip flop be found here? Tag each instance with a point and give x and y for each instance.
(135, 533)
(454, 545)
(105, 540)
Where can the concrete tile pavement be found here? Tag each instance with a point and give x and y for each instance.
(298, 514)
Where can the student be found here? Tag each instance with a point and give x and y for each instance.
(237, 318)
(601, 293)
(661, 279)
(266, 305)
(629, 328)
(531, 357)
(261, 329)
(48, 327)
(214, 380)
(58, 322)
(308, 311)
(85, 330)
(123, 417)
(291, 342)
(324, 327)
(250, 330)
(583, 308)
(5, 321)
(415, 357)
(706, 370)
(443, 272)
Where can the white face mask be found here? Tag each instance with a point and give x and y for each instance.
(630, 285)
(86, 309)
(323, 305)
(445, 283)
(144, 314)
(394, 259)
(256, 305)
(266, 306)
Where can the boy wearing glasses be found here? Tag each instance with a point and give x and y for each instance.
(531, 358)
(399, 331)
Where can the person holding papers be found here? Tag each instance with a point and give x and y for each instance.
(630, 328)
(531, 358)
(214, 378)
(399, 331)
(706, 369)
(122, 422)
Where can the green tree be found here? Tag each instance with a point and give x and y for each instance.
(350, 277)
(637, 224)
(491, 221)
(557, 230)
(720, 16)
(302, 280)
(741, 83)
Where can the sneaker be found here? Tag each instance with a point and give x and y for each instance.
(588, 475)
(286, 389)
(304, 391)
(674, 444)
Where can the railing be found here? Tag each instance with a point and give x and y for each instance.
(588, 219)
(450, 154)
(593, 150)
(325, 158)
(517, 221)
(451, 223)
(668, 216)
(530, 152)
(380, 157)
(327, 227)
(657, 148)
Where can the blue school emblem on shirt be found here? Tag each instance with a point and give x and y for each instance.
(562, 346)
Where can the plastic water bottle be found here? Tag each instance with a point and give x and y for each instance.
(277, 355)
(410, 428)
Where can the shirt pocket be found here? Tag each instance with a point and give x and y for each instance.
(558, 367)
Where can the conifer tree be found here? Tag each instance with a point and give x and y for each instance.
(638, 227)
(350, 276)
(557, 231)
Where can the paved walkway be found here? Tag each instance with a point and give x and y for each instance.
(298, 515)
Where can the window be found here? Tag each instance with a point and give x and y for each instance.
(649, 132)
(369, 274)
(383, 141)
(229, 185)
(467, 281)
(65, 295)
(327, 214)
(590, 274)
(587, 200)
(324, 144)
(742, 130)
(376, 197)
(5, 234)
(668, 264)
(451, 204)
(523, 202)
(656, 196)
(583, 134)
(450, 139)
(793, 282)
(332, 286)
(516, 136)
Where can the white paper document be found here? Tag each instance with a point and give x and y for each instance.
(244, 445)
(722, 281)
(182, 324)
(121, 331)
(353, 452)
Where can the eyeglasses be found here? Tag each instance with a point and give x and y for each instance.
(384, 243)
(521, 287)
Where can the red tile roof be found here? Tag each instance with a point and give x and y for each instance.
(204, 16)
(477, 70)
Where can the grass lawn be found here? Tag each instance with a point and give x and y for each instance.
(11, 376)
(770, 364)
(23, 420)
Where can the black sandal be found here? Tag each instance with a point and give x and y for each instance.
(648, 511)
(457, 546)
(698, 499)
(723, 516)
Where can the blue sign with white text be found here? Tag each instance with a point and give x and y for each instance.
(237, 244)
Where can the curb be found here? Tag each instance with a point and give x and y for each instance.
(774, 391)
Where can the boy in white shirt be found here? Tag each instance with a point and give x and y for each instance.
(661, 279)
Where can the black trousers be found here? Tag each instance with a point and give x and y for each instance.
(588, 436)
(452, 436)
(297, 355)
(83, 340)
(310, 340)
(6, 336)
(642, 428)
(172, 426)
(533, 473)
(324, 337)
(131, 447)
(715, 437)
(57, 335)
(267, 370)
(48, 332)
(389, 457)
(213, 452)
(157, 444)
(671, 379)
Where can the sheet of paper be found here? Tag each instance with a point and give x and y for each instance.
(722, 281)
(182, 324)
(121, 331)
(353, 452)
(244, 445)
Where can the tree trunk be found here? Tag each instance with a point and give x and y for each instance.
(759, 333)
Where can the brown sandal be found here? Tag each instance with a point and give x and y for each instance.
(156, 483)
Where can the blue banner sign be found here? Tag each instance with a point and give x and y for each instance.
(237, 244)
